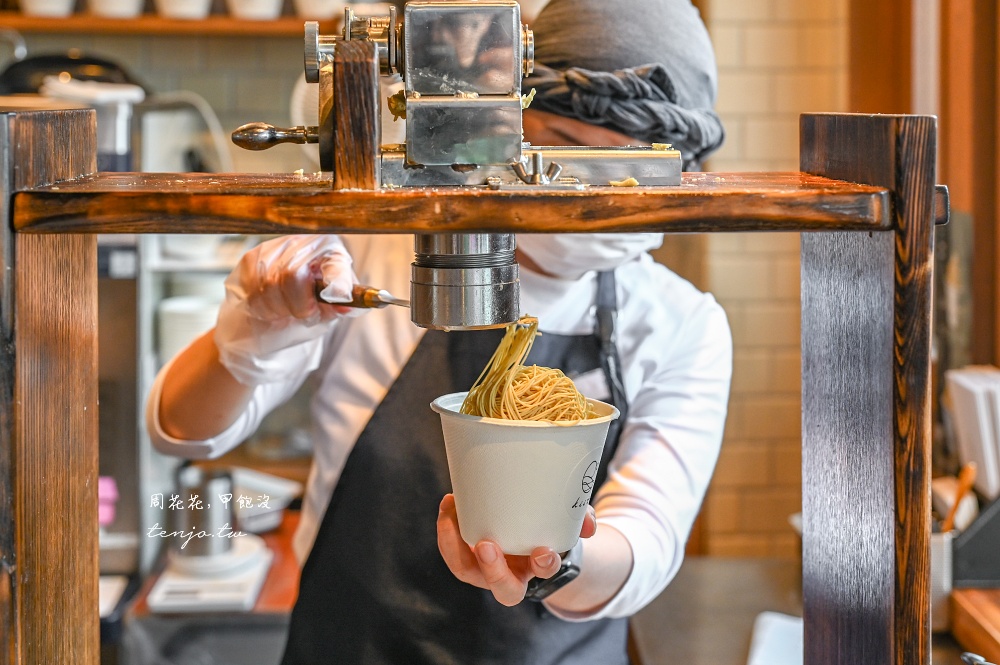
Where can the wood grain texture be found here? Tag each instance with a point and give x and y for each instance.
(848, 573)
(48, 407)
(975, 621)
(356, 112)
(247, 203)
(56, 446)
(899, 154)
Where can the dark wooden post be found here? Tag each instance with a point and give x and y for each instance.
(48, 405)
(357, 127)
(866, 313)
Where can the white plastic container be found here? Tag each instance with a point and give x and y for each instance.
(521, 483)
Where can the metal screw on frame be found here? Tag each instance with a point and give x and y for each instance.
(537, 177)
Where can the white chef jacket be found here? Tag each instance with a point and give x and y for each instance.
(676, 355)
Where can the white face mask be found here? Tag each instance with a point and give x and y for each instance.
(570, 255)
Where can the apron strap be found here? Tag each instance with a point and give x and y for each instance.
(606, 321)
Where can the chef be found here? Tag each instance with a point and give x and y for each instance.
(386, 578)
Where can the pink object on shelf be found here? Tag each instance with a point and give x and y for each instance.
(107, 498)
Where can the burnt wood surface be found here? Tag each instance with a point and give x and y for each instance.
(357, 125)
(48, 406)
(866, 317)
(866, 400)
(250, 203)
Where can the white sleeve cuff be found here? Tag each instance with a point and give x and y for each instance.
(654, 564)
(264, 398)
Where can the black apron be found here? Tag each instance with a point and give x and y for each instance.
(375, 590)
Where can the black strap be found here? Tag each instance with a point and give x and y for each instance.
(607, 319)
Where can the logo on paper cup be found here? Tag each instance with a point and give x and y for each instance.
(582, 481)
(589, 478)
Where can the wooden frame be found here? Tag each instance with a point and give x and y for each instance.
(866, 266)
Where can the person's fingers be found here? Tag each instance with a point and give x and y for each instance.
(339, 279)
(303, 263)
(456, 553)
(544, 562)
(507, 587)
(298, 292)
(589, 527)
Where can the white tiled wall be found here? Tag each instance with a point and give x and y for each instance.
(244, 79)
(777, 59)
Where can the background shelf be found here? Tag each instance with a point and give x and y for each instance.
(149, 24)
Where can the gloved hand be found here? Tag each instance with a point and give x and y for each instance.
(270, 324)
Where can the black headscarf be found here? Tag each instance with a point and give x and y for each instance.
(642, 67)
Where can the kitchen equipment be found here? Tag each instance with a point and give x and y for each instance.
(367, 297)
(462, 63)
(226, 583)
(974, 396)
(943, 492)
(269, 496)
(181, 319)
(205, 507)
(966, 478)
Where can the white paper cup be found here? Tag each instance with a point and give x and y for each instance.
(319, 9)
(254, 10)
(115, 8)
(183, 9)
(47, 7)
(521, 483)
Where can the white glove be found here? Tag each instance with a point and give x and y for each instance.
(270, 325)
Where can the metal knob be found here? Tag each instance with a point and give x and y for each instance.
(538, 177)
(316, 47)
(261, 136)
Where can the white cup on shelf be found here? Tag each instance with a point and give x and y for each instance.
(319, 9)
(254, 10)
(115, 8)
(183, 9)
(54, 8)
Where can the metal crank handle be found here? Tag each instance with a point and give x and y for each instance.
(261, 136)
(367, 297)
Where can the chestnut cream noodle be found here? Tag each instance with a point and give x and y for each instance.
(509, 390)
